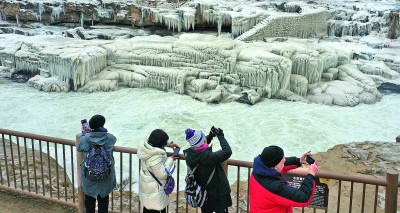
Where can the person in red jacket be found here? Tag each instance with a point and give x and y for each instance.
(269, 193)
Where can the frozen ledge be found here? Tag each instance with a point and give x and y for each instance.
(208, 68)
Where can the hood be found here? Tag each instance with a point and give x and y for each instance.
(193, 157)
(97, 138)
(146, 152)
(259, 168)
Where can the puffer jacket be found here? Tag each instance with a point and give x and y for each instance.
(218, 190)
(100, 187)
(269, 193)
(153, 159)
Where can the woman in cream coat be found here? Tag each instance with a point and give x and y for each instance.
(154, 159)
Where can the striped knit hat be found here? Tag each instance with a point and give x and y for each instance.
(194, 137)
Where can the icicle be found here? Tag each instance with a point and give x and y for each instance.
(41, 9)
(81, 21)
(222, 19)
(146, 12)
(55, 14)
(188, 17)
(17, 18)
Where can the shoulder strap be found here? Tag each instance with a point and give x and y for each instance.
(209, 179)
(155, 178)
(211, 176)
(166, 170)
(170, 172)
(193, 169)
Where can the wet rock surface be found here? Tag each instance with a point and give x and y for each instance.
(370, 158)
(388, 87)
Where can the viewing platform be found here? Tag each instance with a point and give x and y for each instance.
(27, 169)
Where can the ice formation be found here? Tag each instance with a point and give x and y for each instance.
(62, 57)
(202, 66)
(50, 84)
(264, 55)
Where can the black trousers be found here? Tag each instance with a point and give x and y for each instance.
(90, 204)
(154, 211)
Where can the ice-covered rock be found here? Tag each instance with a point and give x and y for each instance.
(199, 65)
(298, 84)
(305, 25)
(210, 96)
(351, 28)
(63, 57)
(5, 72)
(340, 93)
(250, 97)
(378, 68)
(51, 84)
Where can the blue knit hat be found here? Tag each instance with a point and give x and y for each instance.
(194, 137)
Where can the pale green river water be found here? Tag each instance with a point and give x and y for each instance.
(132, 114)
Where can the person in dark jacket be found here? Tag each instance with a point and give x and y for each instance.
(269, 193)
(199, 153)
(100, 189)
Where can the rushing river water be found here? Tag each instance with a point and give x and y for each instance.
(132, 114)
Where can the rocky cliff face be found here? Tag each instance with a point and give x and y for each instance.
(369, 158)
(270, 19)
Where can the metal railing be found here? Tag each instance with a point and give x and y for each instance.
(24, 159)
(47, 168)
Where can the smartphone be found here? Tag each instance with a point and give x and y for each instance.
(310, 160)
(85, 125)
(213, 130)
(176, 152)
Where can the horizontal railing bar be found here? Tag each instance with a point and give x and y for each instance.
(322, 174)
(38, 196)
(37, 137)
(354, 178)
(240, 163)
(125, 149)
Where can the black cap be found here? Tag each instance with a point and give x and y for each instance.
(158, 138)
(97, 121)
(272, 155)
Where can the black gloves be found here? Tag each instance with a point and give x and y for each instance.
(211, 135)
(218, 132)
(214, 132)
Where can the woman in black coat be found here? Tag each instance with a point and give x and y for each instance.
(200, 154)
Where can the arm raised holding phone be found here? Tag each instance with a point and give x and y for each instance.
(176, 149)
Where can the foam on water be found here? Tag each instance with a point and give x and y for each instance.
(133, 113)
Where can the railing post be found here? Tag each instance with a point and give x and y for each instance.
(225, 166)
(81, 197)
(392, 189)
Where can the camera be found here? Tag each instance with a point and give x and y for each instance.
(309, 160)
(213, 130)
(176, 152)
(85, 125)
